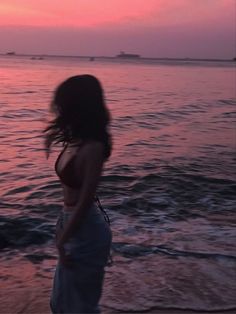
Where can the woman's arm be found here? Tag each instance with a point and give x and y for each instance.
(91, 164)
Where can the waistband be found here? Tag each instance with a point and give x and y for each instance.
(92, 209)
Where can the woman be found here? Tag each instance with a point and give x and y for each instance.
(83, 236)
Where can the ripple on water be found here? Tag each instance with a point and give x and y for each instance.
(169, 186)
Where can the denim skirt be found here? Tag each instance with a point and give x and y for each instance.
(77, 288)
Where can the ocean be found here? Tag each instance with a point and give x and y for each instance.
(169, 186)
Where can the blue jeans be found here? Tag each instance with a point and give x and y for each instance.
(78, 288)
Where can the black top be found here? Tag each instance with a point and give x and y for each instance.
(67, 175)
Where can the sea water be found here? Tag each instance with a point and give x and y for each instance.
(169, 185)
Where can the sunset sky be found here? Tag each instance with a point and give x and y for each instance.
(152, 28)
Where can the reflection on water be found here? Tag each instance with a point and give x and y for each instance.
(169, 185)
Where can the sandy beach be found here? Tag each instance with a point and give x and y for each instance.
(25, 289)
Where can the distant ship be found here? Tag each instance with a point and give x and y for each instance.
(36, 58)
(127, 55)
(11, 53)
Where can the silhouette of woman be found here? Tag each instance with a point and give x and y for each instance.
(83, 237)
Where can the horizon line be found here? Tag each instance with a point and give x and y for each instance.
(13, 53)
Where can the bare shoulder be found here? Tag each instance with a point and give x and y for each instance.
(91, 152)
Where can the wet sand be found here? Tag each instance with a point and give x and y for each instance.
(25, 289)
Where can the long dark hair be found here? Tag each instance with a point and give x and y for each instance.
(81, 113)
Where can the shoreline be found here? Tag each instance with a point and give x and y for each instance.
(27, 287)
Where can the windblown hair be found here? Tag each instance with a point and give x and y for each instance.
(81, 113)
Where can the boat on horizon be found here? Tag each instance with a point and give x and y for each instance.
(127, 55)
(10, 53)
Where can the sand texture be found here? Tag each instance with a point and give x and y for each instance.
(26, 285)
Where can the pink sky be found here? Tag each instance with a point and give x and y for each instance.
(152, 28)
